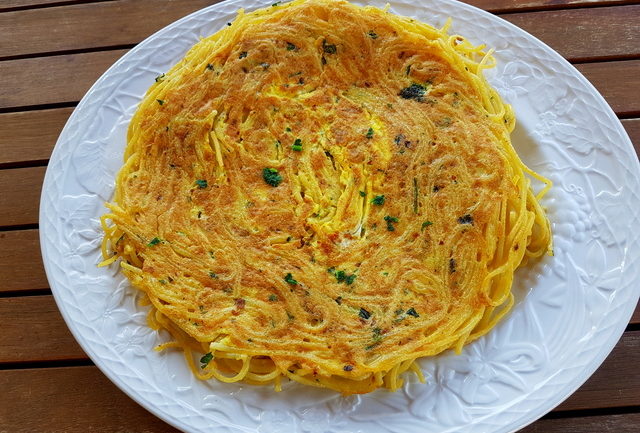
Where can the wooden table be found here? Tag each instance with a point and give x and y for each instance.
(51, 51)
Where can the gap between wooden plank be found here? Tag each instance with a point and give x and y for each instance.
(13, 5)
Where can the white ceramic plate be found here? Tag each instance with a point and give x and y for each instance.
(571, 308)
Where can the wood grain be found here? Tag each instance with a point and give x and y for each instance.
(12, 4)
(497, 6)
(20, 195)
(585, 34)
(33, 330)
(89, 25)
(30, 135)
(618, 82)
(576, 33)
(625, 423)
(633, 129)
(70, 400)
(616, 383)
(55, 79)
(21, 267)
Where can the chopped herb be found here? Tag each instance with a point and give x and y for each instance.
(154, 241)
(243, 55)
(159, 78)
(452, 265)
(372, 34)
(287, 129)
(162, 281)
(229, 24)
(399, 311)
(271, 176)
(206, 359)
(465, 219)
(160, 101)
(289, 279)
(378, 200)
(289, 238)
(212, 255)
(328, 48)
(350, 279)
(338, 300)
(386, 274)
(210, 66)
(408, 70)
(399, 139)
(290, 46)
(425, 225)
(347, 367)
(362, 194)
(436, 188)
(331, 270)
(341, 276)
(273, 298)
(290, 316)
(370, 133)
(297, 145)
(364, 313)
(371, 346)
(213, 275)
(390, 220)
(412, 312)
(414, 91)
(276, 4)
(202, 183)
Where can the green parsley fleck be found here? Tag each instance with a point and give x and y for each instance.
(209, 66)
(297, 145)
(271, 176)
(206, 359)
(390, 220)
(213, 275)
(414, 91)
(372, 34)
(425, 225)
(159, 78)
(273, 298)
(287, 129)
(370, 133)
(243, 55)
(364, 313)
(289, 279)
(290, 46)
(276, 4)
(362, 194)
(412, 312)
(378, 200)
(328, 48)
(160, 101)
(162, 281)
(341, 276)
(350, 279)
(202, 183)
(154, 241)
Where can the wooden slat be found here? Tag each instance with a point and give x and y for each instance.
(20, 261)
(30, 135)
(575, 33)
(633, 129)
(625, 423)
(70, 400)
(47, 80)
(582, 34)
(20, 195)
(81, 399)
(616, 383)
(497, 6)
(33, 330)
(11, 4)
(89, 25)
(618, 82)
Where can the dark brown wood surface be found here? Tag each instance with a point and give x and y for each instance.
(52, 51)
